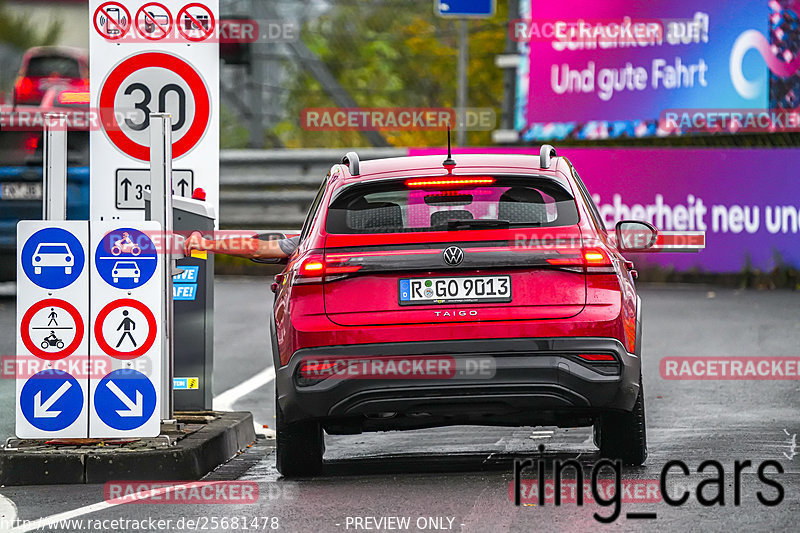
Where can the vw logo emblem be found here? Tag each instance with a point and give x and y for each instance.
(453, 255)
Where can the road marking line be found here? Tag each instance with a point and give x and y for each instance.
(224, 401)
(8, 511)
(42, 523)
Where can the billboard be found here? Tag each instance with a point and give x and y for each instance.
(610, 69)
(744, 199)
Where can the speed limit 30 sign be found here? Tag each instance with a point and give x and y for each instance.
(133, 78)
(146, 83)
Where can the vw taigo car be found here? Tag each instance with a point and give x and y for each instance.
(483, 290)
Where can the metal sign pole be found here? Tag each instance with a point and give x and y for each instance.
(161, 211)
(54, 167)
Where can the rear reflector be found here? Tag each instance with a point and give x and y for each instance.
(595, 357)
(74, 97)
(448, 182)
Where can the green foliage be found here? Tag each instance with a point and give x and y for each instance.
(395, 54)
(22, 32)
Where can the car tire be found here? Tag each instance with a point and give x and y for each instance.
(299, 446)
(116, 280)
(623, 434)
(37, 270)
(67, 270)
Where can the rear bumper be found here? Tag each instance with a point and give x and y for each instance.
(535, 381)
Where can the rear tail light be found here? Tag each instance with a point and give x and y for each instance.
(595, 260)
(316, 269)
(26, 91)
(73, 97)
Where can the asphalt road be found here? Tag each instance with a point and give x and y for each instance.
(458, 478)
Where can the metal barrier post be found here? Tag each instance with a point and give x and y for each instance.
(54, 167)
(161, 211)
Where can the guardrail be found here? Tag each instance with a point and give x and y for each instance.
(274, 188)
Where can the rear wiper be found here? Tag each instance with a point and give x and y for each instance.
(454, 225)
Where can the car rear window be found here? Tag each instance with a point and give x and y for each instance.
(45, 66)
(433, 204)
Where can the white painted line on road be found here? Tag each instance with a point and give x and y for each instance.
(51, 520)
(8, 512)
(224, 401)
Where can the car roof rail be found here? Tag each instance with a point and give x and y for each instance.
(545, 154)
(353, 163)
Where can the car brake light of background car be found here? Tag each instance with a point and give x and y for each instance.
(26, 90)
(31, 143)
(447, 182)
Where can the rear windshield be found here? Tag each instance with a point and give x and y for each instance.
(45, 66)
(424, 204)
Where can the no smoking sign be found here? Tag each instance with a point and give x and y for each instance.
(154, 82)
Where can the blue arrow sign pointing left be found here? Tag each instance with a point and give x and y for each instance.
(51, 400)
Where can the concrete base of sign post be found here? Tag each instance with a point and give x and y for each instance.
(200, 443)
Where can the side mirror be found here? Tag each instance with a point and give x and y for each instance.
(635, 236)
(271, 236)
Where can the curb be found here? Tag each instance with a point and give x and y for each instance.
(190, 458)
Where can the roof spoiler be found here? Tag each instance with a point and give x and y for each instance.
(545, 154)
(353, 163)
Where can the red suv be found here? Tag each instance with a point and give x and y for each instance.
(483, 290)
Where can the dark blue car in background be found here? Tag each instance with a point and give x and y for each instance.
(21, 177)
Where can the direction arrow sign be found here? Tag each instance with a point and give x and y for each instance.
(51, 400)
(125, 399)
(465, 8)
(132, 183)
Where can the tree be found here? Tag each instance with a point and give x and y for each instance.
(395, 54)
(22, 33)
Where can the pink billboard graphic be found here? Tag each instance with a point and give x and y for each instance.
(605, 69)
(745, 200)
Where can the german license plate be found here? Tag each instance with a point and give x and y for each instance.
(417, 291)
(21, 191)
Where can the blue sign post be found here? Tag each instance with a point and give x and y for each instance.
(125, 399)
(51, 400)
(465, 8)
